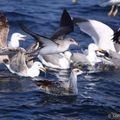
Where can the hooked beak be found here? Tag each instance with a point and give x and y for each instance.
(77, 43)
(23, 37)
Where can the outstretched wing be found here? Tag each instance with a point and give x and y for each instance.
(66, 26)
(4, 29)
(44, 41)
(100, 32)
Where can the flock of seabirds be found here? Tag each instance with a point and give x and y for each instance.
(54, 52)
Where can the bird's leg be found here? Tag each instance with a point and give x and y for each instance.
(116, 11)
(111, 11)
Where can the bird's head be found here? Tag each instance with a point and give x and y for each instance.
(18, 36)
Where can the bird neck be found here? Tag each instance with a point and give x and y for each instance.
(73, 83)
(92, 58)
(14, 42)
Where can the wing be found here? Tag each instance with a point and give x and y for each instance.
(116, 40)
(8, 51)
(100, 32)
(66, 26)
(44, 41)
(53, 58)
(18, 63)
(4, 29)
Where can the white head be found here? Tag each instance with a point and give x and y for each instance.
(70, 41)
(92, 47)
(18, 36)
(14, 42)
(39, 66)
(77, 71)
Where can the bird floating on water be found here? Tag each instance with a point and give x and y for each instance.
(17, 63)
(60, 88)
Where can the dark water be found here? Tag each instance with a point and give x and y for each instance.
(99, 94)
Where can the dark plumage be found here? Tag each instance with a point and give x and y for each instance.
(66, 26)
(116, 36)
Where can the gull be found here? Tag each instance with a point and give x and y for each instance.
(60, 88)
(60, 60)
(87, 59)
(17, 63)
(55, 44)
(57, 59)
(48, 46)
(4, 30)
(101, 33)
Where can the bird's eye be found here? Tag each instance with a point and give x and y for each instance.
(77, 70)
(71, 40)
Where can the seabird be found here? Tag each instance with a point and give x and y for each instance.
(60, 60)
(101, 33)
(17, 62)
(57, 43)
(48, 46)
(87, 59)
(4, 30)
(60, 88)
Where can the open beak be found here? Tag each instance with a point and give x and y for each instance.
(23, 37)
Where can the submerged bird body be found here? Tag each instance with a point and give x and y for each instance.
(60, 88)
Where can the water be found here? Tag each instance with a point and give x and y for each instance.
(99, 94)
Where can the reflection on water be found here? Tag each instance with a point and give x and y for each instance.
(13, 83)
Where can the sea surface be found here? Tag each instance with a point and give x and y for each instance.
(99, 93)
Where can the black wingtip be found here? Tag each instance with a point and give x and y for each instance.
(65, 19)
(66, 26)
(79, 20)
(116, 37)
